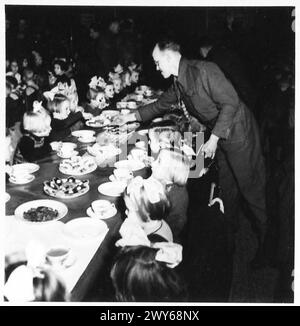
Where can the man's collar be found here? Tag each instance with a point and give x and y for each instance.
(182, 70)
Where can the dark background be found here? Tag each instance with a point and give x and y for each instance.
(264, 32)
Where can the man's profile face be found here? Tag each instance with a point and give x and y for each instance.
(161, 61)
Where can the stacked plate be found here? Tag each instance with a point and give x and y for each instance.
(85, 228)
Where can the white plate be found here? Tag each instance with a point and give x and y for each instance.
(87, 140)
(74, 153)
(83, 133)
(96, 124)
(26, 167)
(85, 228)
(107, 215)
(71, 171)
(112, 189)
(23, 182)
(60, 194)
(106, 151)
(7, 197)
(60, 207)
(132, 165)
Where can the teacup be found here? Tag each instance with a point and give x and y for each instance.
(86, 138)
(66, 151)
(131, 105)
(125, 111)
(20, 176)
(68, 145)
(140, 145)
(58, 254)
(101, 206)
(122, 174)
(138, 154)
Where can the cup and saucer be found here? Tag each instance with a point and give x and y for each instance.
(121, 175)
(102, 209)
(20, 177)
(84, 139)
(60, 257)
(67, 153)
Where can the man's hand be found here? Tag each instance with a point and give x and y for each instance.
(86, 115)
(210, 147)
(121, 119)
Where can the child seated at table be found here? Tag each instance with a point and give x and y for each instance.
(62, 121)
(74, 108)
(163, 134)
(27, 284)
(109, 92)
(144, 273)
(172, 169)
(96, 101)
(147, 205)
(34, 143)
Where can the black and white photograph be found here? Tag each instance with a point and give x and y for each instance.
(149, 153)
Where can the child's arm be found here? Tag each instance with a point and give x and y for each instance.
(30, 153)
(66, 123)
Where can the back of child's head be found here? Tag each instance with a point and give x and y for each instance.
(148, 198)
(92, 94)
(164, 134)
(37, 119)
(56, 105)
(27, 284)
(171, 165)
(138, 276)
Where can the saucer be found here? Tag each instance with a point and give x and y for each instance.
(68, 262)
(23, 181)
(87, 140)
(112, 212)
(112, 178)
(74, 153)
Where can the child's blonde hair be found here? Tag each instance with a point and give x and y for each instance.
(140, 192)
(36, 120)
(166, 134)
(176, 165)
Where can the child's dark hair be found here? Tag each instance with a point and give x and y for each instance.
(11, 82)
(61, 63)
(64, 79)
(138, 276)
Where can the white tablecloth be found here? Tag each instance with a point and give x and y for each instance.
(18, 234)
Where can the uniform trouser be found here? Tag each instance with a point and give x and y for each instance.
(242, 173)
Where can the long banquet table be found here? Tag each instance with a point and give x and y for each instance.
(91, 257)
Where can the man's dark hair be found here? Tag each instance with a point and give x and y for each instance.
(168, 44)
